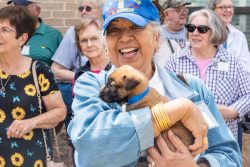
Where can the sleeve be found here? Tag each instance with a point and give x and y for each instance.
(223, 150)
(244, 55)
(242, 103)
(100, 132)
(46, 79)
(66, 51)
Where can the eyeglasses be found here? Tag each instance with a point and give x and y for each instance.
(225, 7)
(87, 8)
(201, 28)
(85, 41)
(6, 31)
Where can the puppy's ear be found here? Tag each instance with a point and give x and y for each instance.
(130, 83)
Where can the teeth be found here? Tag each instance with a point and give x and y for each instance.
(127, 50)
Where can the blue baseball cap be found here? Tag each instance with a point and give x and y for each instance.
(20, 2)
(139, 12)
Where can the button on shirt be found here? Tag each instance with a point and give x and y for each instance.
(225, 78)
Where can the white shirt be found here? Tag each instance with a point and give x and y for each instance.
(237, 45)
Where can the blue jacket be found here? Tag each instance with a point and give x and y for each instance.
(103, 136)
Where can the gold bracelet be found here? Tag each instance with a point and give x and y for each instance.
(156, 121)
(161, 117)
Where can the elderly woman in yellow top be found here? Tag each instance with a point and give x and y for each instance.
(21, 124)
(104, 136)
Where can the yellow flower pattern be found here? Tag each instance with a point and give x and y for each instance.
(18, 103)
(2, 162)
(38, 163)
(43, 82)
(18, 113)
(3, 75)
(52, 92)
(17, 159)
(30, 90)
(24, 75)
(2, 116)
(28, 136)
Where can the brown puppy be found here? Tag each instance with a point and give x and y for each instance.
(128, 85)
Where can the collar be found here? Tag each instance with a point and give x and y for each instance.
(174, 87)
(220, 56)
(138, 97)
(42, 27)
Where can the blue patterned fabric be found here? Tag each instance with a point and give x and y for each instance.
(230, 87)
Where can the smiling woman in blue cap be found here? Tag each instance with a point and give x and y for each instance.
(104, 136)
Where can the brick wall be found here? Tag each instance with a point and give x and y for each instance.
(58, 13)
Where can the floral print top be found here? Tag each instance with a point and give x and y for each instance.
(19, 101)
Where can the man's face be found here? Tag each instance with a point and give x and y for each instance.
(175, 18)
(34, 9)
(89, 7)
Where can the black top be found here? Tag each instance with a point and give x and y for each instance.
(18, 102)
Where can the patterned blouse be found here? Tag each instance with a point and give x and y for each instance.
(19, 101)
(225, 78)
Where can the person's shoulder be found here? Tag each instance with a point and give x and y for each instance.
(50, 29)
(235, 31)
(40, 65)
(184, 52)
(94, 79)
(226, 55)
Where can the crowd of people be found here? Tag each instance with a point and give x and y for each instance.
(198, 61)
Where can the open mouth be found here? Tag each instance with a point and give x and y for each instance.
(128, 52)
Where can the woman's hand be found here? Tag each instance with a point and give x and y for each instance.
(166, 158)
(195, 122)
(186, 111)
(18, 128)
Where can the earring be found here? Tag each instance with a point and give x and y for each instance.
(157, 48)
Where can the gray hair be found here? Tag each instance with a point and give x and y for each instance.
(211, 4)
(219, 33)
(99, 3)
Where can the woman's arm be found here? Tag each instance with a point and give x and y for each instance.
(223, 150)
(184, 110)
(61, 73)
(55, 113)
(109, 136)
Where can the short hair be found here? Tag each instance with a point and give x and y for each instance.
(211, 4)
(84, 23)
(98, 2)
(219, 33)
(19, 18)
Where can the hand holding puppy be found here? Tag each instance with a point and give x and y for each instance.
(185, 111)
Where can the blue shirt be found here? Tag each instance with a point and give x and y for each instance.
(67, 54)
(103, 136)
(225, 77)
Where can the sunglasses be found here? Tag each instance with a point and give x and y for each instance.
(201, 28)
(87, 8)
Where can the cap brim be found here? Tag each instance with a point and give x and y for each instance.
(20, 3)
(187, 3)
(132, 17)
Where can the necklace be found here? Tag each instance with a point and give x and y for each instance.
(2, 90)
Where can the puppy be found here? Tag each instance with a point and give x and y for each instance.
(125, 83)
